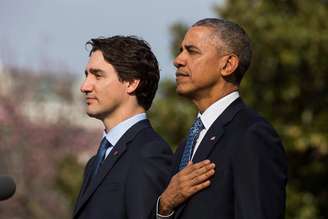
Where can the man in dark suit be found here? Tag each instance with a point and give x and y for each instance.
(237, 166)
(130, 169)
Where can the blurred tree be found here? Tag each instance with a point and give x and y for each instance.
(287, 84)
(171, 115)
(69, 178)
(43, 158)
(178, 30)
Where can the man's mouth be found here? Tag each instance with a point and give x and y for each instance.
(181, 74)
(90, 99)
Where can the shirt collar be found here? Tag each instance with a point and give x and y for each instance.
(115, 133)
(216, 109)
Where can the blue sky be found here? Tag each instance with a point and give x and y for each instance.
(39, 34)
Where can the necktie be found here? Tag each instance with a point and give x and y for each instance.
(193, 134)
(104, 145)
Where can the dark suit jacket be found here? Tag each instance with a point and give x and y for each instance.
(130, 179)
(251, 169)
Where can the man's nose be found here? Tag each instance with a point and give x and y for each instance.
(86, 86)
(179, 61)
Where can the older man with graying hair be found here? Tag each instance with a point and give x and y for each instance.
(232, 164)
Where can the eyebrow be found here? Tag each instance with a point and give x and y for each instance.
(94, 71)
(190, 47)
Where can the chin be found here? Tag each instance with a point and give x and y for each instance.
(94, 114)
(91, 114)
(183, 92)
(97, 114)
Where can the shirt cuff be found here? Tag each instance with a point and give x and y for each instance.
(158, 215)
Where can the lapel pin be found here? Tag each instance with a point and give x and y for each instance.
(213, 138)
(115, 153)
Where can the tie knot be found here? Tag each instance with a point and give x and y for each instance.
(104, 144)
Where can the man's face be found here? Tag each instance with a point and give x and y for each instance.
(198, 64)
(104, 93)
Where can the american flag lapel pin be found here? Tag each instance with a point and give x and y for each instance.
(115, 153)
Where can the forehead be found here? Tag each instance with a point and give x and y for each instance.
(200, 36)
(97, 60)
(96, 57)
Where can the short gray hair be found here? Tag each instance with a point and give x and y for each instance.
(235, 40)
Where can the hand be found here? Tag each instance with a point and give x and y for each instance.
(191, 179)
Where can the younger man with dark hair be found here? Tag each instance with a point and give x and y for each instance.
(131, 167)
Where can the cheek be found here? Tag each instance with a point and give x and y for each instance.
(205, 74)
(114, 90)
(199, 71)
(196, 70)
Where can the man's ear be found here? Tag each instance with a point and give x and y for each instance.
(132, 85)
(231, 63)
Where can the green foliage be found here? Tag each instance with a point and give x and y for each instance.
(300, 204)
(171, 115)
(178, 30)
(69, 178)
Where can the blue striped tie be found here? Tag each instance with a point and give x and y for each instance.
(104, 145)
(194, 131)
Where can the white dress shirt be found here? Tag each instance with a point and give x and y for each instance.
(208, 117)
(212, 113)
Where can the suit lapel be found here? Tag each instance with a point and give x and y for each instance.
(216, 131)
(210, 139)
(113, 157)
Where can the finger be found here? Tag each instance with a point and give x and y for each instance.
(202, 170)
(192, 167)
(196, 170)
(202, 178)
(199, 187)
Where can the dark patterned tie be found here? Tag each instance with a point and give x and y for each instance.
(193, 134)
(104, 145)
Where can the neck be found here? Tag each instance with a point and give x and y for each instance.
(204, 101)
(121, 115)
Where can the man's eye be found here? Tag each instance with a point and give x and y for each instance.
(97, 74)
(192, 51)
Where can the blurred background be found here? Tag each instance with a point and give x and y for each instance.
(46, 138)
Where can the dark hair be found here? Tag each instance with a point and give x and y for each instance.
(236, 41)
(132, 58)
